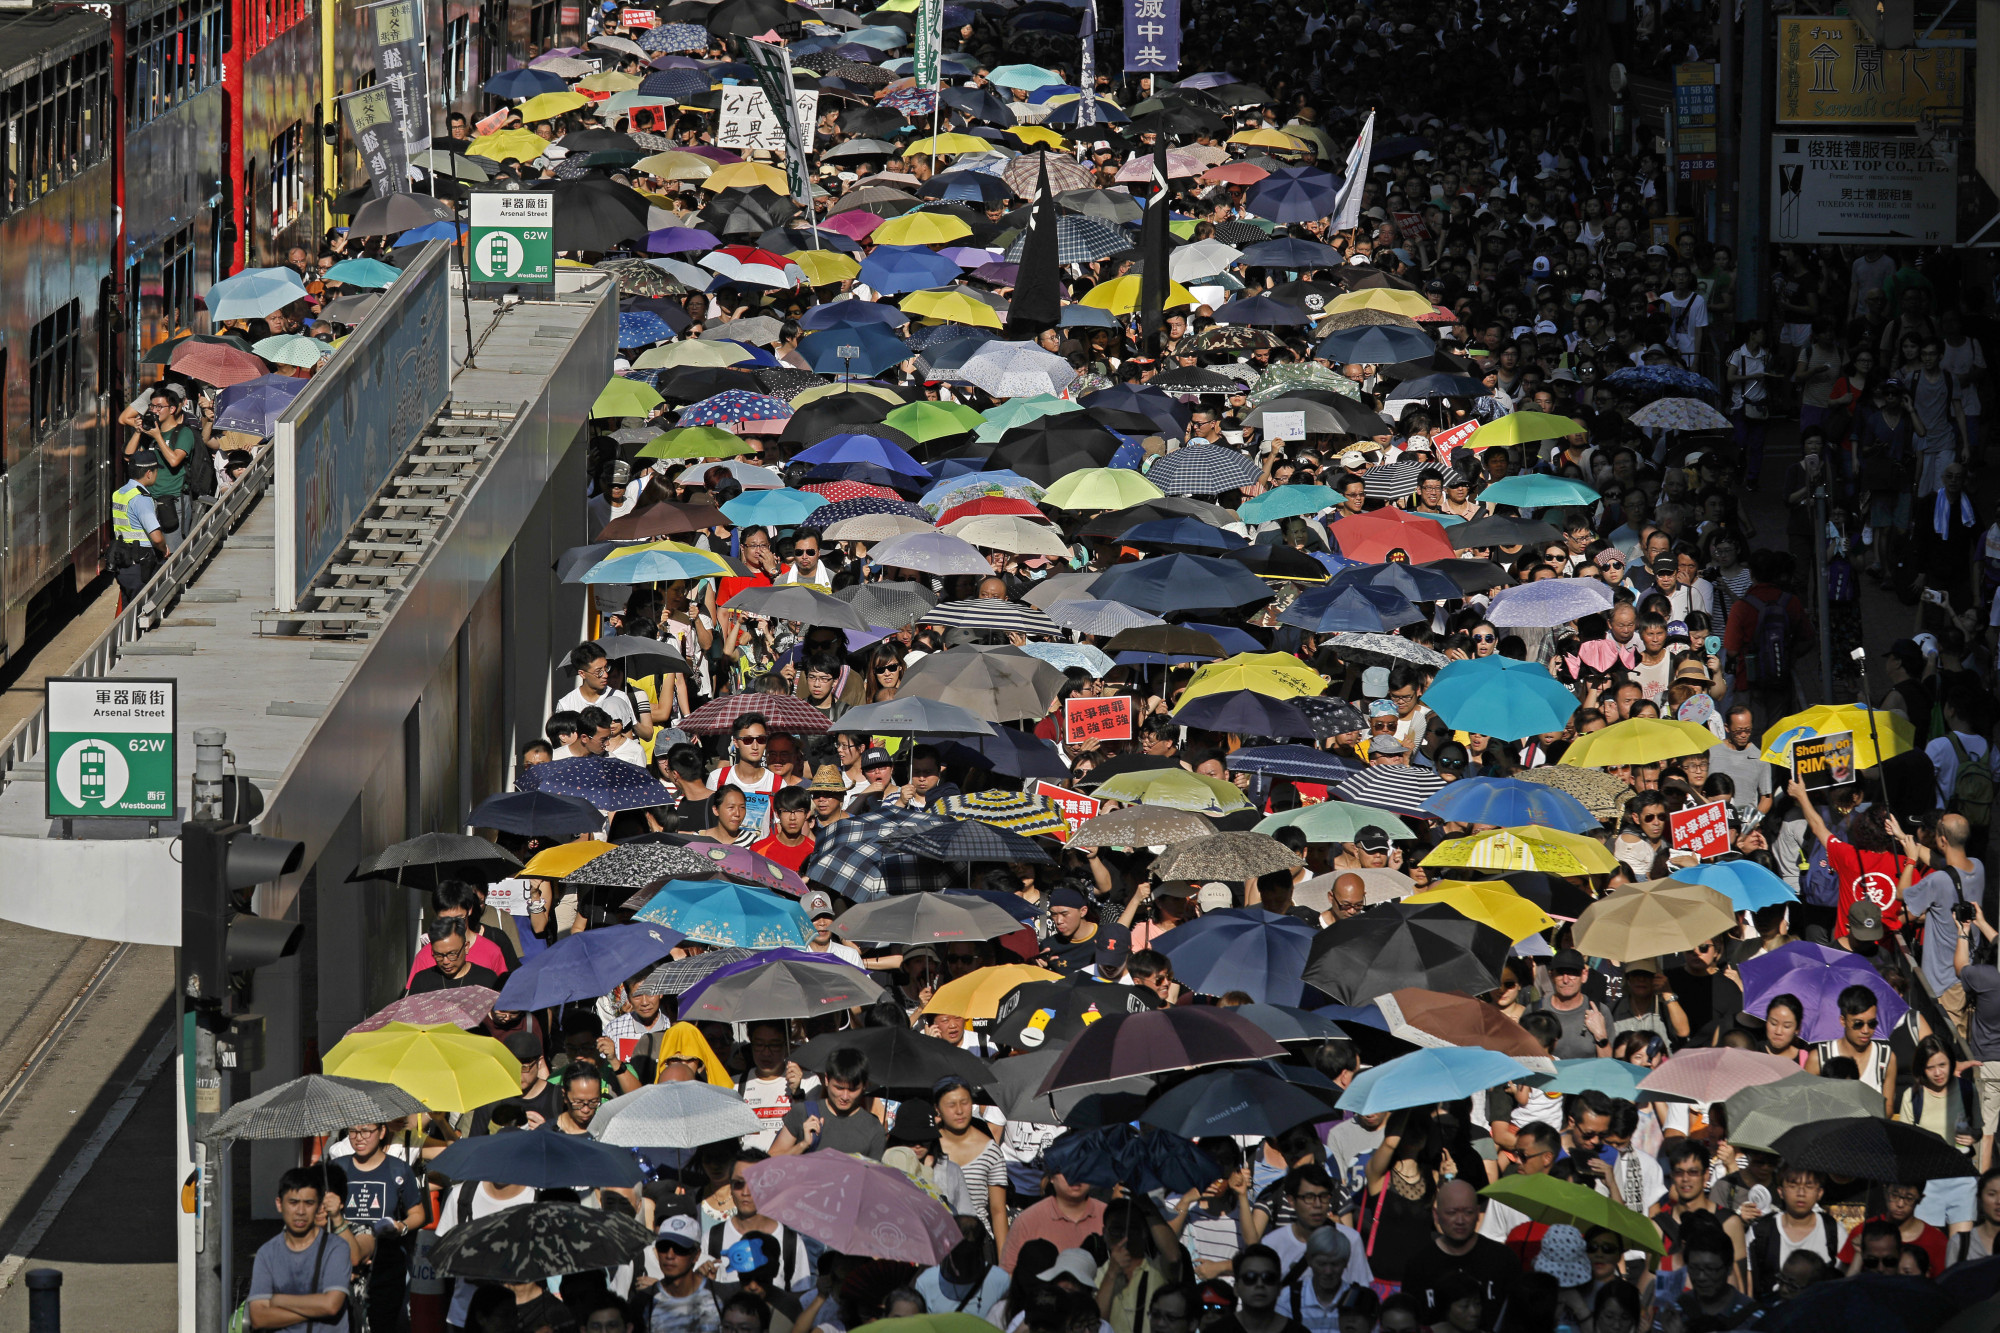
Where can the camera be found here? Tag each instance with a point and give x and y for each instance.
(149, 421)
(1961, 911)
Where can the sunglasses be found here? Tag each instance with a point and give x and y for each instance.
(1485, 638)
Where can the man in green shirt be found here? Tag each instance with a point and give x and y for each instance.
(165, 430)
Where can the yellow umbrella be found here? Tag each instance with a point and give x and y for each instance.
(442, 1066)
(1660, 918)
(1094, 488)
(674, 165)
(978, 994)
(547, 106)
(1492, 902)
(1893, 730)
(950, 304)
(820, 391)
(1261, 138)
(1524, 428)
(1388, 300)
(1548, 850)
(1274, 675)
(521, 145)
(1120, 296)
(823, 268)
(1037, 134)
(945, 143)
(694, 352)
(923, 228)
(563, 859)
(746, 176)
(722, 566)
(609, 81)
(1639, 740)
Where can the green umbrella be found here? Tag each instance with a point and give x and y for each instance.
(625, 398)
(924, 422)
(1336, 821)
(1758, 1116)
(1546, 1199)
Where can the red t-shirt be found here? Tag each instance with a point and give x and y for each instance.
(792, 858)
(1872, 875)
(1932, 1242)
(728, 588)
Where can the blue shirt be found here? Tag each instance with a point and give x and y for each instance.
(144, 512)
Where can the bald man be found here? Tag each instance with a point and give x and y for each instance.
(993, 589)
(1350, 897)
(1457, 1246)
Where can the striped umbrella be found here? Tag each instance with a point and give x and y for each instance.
(993, 615)
(1016, 812)
(1397, 788)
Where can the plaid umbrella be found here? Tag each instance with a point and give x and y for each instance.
(969, 840)
(781, 711)
(637, 865)
(1202, 469)
(1016, 812)
(465, 1007)
(313, 1105)
(827, 514)
(678, 974)
(1397, 788)
(1065, 173)
(992, 614)
(1079, 240)
(1292, 761)
(890, 605)
(857, 859)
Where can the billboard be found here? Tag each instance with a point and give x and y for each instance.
(1846, 191)
(1830, 73)
(340, 439)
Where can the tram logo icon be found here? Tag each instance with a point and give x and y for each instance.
(501, 253)
(91, 772)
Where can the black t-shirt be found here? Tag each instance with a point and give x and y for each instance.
(431, 979)
(382, 1193)
(547, 1103)
(1489, 1263)
(1710, 1002)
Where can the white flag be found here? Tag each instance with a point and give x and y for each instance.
(1347, 209)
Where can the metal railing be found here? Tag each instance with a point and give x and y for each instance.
(142, 613)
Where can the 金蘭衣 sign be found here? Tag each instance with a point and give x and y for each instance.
(1830, 73)
(111, 748)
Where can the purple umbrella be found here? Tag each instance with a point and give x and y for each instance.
(679, 240)
(854, 1206)
(1815, 976)
(746, 866)
(254, 406)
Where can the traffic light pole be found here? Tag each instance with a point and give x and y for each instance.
(211, 1299)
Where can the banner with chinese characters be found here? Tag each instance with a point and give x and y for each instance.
(1107, 719)
(371, 120)
(1152, 36)
(1829, 73)
(1703, 830)
(794, 114)
(398, 27)
(1075, 806)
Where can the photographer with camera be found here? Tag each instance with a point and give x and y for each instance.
(182, 462)
(1945, 895)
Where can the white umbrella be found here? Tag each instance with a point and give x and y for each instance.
(1016, 370)
(1007, 532)
(932, 553)
(1203, 259)
(674, 1115)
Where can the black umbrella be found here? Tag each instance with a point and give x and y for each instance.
(1170, 640)
(644, 657)
(691, 384)
(1116, 1154)
(420, 862)
(746, 212)
(396, 213)
(926, 918)
(1180, 121)
(1886, 1151)
(874, 121)
(1870, 1303)
(1055, 1011)
(784, 988)
(1551, 893)
(1117, 523)
(1470, 575)
(899, 1058)
(599, 141)
(1245, 1100)
(1015, 1079)
(1501, 530)
(978, 103)
(784, 240)
(536, 1240)
(1430, 947)
(835, 414)
(538, 814)
(747, 18)
(1352, 416)
(1052, 447)
(597, 214)
(969, 840)
(1271, 561)
(313, 1105)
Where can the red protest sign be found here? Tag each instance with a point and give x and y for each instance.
(1703, 830)
(1076, 807)
(569, 15)
(1445, 440)
(1412, 227)
(1108, 719)
(639, 18)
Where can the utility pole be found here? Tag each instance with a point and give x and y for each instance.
(1753, 162)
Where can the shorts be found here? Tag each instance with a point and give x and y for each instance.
(1949, 1201)
(1987, 1076)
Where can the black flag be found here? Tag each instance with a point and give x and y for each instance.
(1153, 281)
(1037, 302)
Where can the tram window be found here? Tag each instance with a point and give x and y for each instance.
(458, 57)
(55, 366)
(171, 56)
(177, 280)
(288, 176)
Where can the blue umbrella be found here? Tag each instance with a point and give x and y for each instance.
(540, 1161)
(642, 328)
(1511, 803)
(827, 515)
(1750, 886)
(1237, 1101)
(782, 508)
(607, 783)
(441, 230)
(972, 187)
(583, 967)
(1232, 639)
(1380, 344)
(1426, 1077)
(523, 83)
(1293, 252)
(538, 814)
(1120, 1155)
(1243, 713)
(1180, 582)
(675, 37)
(1294, 194)
(1085, 317)
(1014, 753)
(680, 241)
(1301, 762)
(854, 447)
(1412, 582)
(1286, 1023)
(720, 912)
(1661, 379)
(650, 567)
(868, 349)
(1261, 310)
(1241, 948)
(1170, 414)
(1613, 1078)
(254, 406)
(254, 293)
(894, 269)
(1536, 490)
(363, 272)
(852, 313)
(1107, 114)
(677, 84)
(1500, 696)
(1183, 531)
(1351, 610)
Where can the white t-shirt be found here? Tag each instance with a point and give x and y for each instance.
(614, 702)
(769, 1099)
(1291, 1249)
(482, 1206)
(757, 795)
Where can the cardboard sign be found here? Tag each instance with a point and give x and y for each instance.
(1076, 807)
(1284, 425)
(639, 18)
(1107, 719)
(1445, 441)
(1703, 830)
(1820, 762)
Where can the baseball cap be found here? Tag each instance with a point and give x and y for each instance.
(1114, 945)
(1387, 745)
(915, 1122)
(1665, 564)
(1174, 888)
(1215, 896)
(877, 758)
(817, 904)
(680, 1231)
(1065, 896)
(1074, 1264)
(621, 472)
(523, 1046)
(1647, 965)
(1568, 960)
(1370, 838)
(1864, 920)
(1375, 682)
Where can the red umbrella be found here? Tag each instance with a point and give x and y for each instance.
(990, 504)
(1438, 315)
(466, 1007)
(217, 363)
(1235, 173)
(850, 490)
(781, 711)
(1157, 1041)
(1371, 537)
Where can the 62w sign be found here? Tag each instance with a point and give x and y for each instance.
(111, 748)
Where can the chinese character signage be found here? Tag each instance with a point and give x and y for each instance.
(1450, 439)
(1704, 830)
(1820, 762)
(1086, 720)
(639, 18)
(371, 120)
(111, 748)
(399, 71)
(929, 38)
(1850, 191)
(513, 236)
(1152, 36)
(795, 116)
(1829, 73)
(1075, 806)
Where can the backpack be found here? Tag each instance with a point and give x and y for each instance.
(1768, 665)
(200, 469)
(1762, 1250)
(1972, 792)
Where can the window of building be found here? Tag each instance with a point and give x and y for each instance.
(174, 53)
(177, 280)
(543, 26)
(54, 123)
(55, 369)
(287, 176)
(457, 58)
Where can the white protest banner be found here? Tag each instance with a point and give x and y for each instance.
(745, 119)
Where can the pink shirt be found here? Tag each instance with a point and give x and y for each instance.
(483, 952)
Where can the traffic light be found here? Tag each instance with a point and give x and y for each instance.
(220, 864)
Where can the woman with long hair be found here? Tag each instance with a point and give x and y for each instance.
(885, 673)
(1931, 1101)
(1983, 1239)
(1403, 1175)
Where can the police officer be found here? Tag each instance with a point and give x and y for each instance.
(137, 544)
